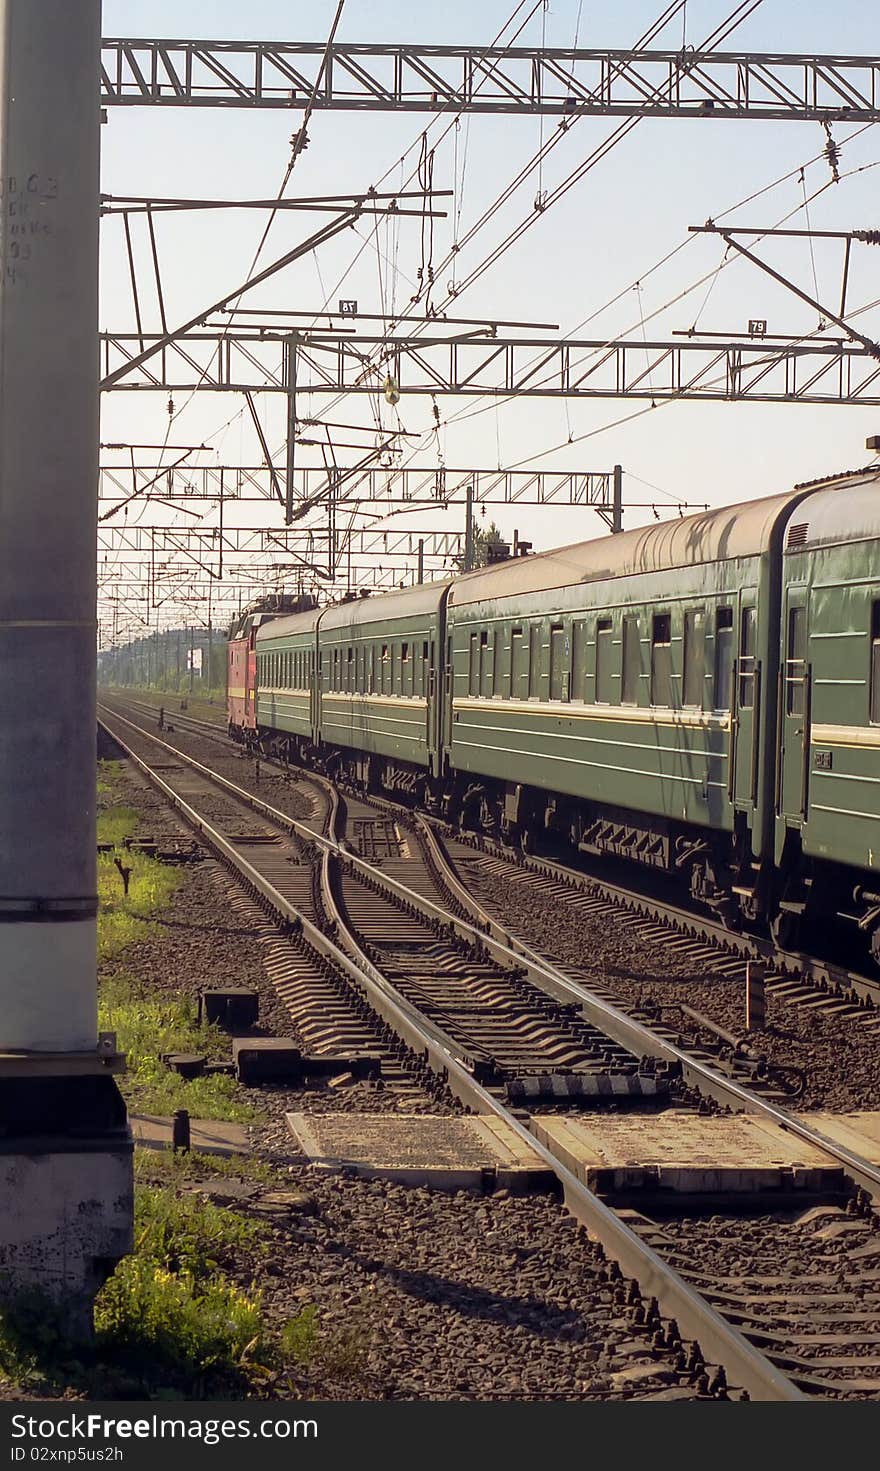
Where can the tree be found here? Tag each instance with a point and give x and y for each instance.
(484, 538)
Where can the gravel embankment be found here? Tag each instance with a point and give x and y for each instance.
(840, 1058)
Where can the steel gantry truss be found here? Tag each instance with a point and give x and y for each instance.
(219, 550)
(493, 79)
(249, 361)
(149, 569)
(378, 487)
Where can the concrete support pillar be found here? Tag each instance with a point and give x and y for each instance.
(49, 152)
(54, 1079)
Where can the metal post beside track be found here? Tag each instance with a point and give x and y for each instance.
(756, 998)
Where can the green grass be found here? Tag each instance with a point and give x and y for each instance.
(115, 824)
(179, 1326)
(168, 1167)
(123, 918)
(109, 776)
(171, 1322)
(184, 1234)
(148, 1025)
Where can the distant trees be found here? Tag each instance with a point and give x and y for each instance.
(484, 538)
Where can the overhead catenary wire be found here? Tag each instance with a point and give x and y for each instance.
(711, 276)
(744, 9)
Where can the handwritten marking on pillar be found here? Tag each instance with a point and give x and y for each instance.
(25, 199)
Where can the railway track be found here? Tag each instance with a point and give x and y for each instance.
(778, 1064)
(797, 978)
(395, 940)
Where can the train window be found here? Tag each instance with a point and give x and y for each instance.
(604, 664)
(632, 660)
(384, 675)
(349, 669)
(498, 650)
(519, 665)
(796, 661)
(661, 660)
(747, 663)
(875, 663)
(535, 661)
(485, 665)
(694, 657)
(474, 666)
(579, 660)
(559, 670)
(723, 658)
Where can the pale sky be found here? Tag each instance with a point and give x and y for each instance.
(603, 237)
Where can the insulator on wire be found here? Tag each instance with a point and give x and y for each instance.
(832, 153)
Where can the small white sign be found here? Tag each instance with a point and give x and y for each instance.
(194, 660)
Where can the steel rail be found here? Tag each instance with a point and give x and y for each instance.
(796, 962)
(620, 1027)
(720, 1341)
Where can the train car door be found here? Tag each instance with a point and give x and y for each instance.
(747, 702)
(560, 662)
(250, 709)
(429, 683)
(448, 695)
(795, 715)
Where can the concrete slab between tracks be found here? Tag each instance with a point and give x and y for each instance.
(207, 1136)
(429, 1150)
(859, 1132)
(681, 1154)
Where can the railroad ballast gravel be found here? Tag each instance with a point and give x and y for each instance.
(841, 1059)
(418, 1295)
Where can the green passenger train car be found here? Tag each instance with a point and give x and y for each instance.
(623, 691)
(702, 696)
(378, 685)
(828, 788)
(286, 696)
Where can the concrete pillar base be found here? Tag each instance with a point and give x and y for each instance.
(66, 1187)
(65, 1223)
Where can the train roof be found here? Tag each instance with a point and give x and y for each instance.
(844, 510)
(288, 626)
(716, 535)
(425, 597)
